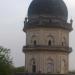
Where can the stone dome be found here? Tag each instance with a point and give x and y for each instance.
(47, 14)
(56, 8)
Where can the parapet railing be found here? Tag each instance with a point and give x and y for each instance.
(44, 47)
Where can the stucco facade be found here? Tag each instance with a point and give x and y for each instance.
(47, 62)
(48, 58)
(47, 37)
(43, 35)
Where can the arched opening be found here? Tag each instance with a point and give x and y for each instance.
(50, 66)
(33, 65)
(33, 68)
(62, 43)
(49, 42)
(35, 42)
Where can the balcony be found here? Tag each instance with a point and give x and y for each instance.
(45, 48)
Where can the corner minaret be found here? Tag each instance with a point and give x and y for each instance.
(47, 37)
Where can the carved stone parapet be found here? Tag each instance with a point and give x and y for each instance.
(49, 48)
(30, 25)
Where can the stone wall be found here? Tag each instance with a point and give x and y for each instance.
(43, 35)
(47, 61)
(58, 61)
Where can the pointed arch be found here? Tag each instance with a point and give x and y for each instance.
(50, 40)
(32, 61)
(64, 41)
(34, 40)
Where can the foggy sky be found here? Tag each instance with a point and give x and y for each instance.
(12, 14)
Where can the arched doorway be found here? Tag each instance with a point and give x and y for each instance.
(50, 66)
(33, 65)
(63, 66)
(33, 68)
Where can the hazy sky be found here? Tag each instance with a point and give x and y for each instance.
(12, 14)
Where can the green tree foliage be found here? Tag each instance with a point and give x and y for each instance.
(5, 61)
(72, 72)
(19, 69)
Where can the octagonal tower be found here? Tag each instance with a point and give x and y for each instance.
(47, 37)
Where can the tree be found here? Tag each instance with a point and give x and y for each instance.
(19, 69)
(5, 61)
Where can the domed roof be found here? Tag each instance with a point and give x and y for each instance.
(48, 7)
(47, 14)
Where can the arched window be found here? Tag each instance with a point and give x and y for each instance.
(33, 61)
(35, 42)
(33, 65)
(49, 42)
(62, 43)
(50, 66)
